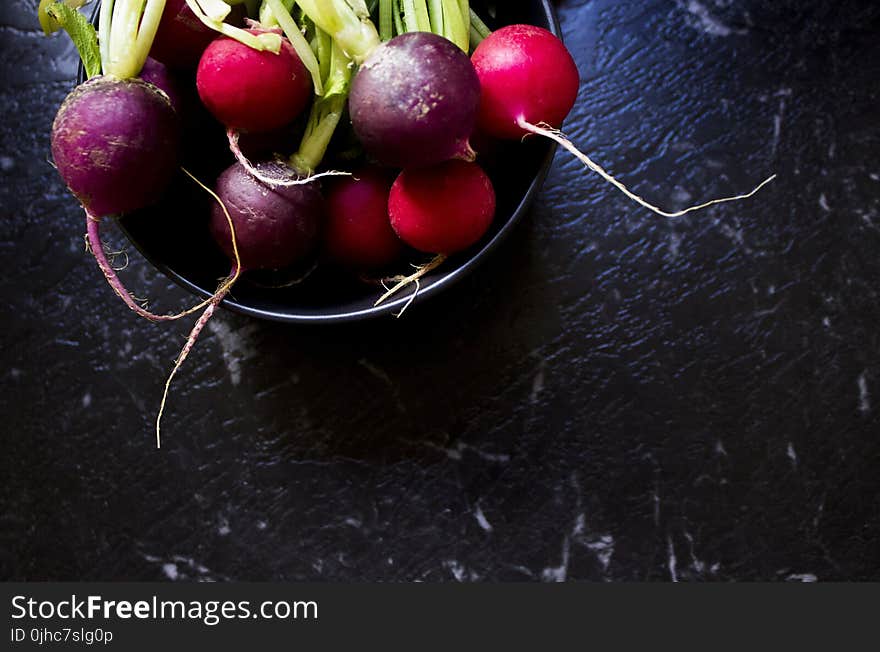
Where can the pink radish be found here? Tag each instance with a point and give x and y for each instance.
(440, 209)
(252, 90)
(529, 84)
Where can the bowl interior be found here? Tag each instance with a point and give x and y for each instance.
(174, 236)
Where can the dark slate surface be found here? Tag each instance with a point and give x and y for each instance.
(615, 396)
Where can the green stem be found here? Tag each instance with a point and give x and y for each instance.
(126, 32)
(267, 16)
(104, 31)
(478, 25)
(298, 41)
(415, 16)
(456, 27)
(267, 41)
(399, 27)
(347, 22)
(326, 113)
(386, 22)
(435, 8)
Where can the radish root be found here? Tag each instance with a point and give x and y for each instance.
(543, 129)
(403, 281)
(94, 244)
(284, 179)
(93, 239)
(212, 304)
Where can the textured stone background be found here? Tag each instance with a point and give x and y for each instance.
(613, 396)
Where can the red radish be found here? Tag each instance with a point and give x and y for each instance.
(525, 73)
(529, 83)
(181, 37)
(442, 209)
(252, 90)
(359, 233)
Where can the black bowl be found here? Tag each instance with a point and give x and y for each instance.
(174, 235)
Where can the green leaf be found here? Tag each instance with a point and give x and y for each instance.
(80, 30)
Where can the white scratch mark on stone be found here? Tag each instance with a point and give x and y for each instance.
(802, 577)
(792, 454)
(7, 163)
(170, 571)
(656, 498)
(482, 521)
(874, 176)
(823, 203)
(86, 400)
(558, 573)
(172, 566)
(674, 245)
(719, 448)
(262, 525)
(353, 522)
(457, 452)
(680, 196)
(580, 524)
(707, 23)
(234, 347)
(603, 547)
(223, 529)
(696, 563)
(864, 397)
(673, 562)
(538, 383)
(826, 322)
(459, 572)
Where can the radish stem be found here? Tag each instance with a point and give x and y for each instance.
(267, 41)
(386, 23)
(348, 22)
(304, 51)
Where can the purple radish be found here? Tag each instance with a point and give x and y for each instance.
(115, 144)
(414, 101)
(157, 74)
(275, 227)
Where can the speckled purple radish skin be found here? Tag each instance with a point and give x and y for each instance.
(274, 227)
(115, 144)
(414, 101)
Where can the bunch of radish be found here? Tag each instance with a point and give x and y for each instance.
(404, 85)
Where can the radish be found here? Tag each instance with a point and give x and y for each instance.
(415, 97)
(115, 139)
(415, 100)
(258, 227)
(529, 84)
(359, 233)
(441, 209)
(275, 227)
(250, 90)
(181, 37)
(156, 73)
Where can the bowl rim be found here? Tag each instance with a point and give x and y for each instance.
(444, 282)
